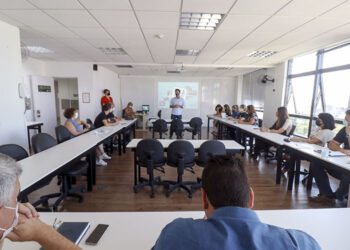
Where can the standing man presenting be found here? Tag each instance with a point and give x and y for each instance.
(177, 104)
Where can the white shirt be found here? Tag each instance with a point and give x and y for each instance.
(177, 101)
(287, 126)
(324, 135)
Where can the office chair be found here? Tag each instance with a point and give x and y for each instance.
(260, 123)
(159, 114)
(44, 141)
(195, 127)
(176, 127)
(14, 151)
(150, 155)
(92, 126)
(180, 155)
(123, 113)
(62, 134)
(159, 126)
(206, 151)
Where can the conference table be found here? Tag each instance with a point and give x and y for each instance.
(47, 164)
(230, 145)
(140, 230)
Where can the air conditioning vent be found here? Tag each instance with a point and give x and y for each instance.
(113, 51)
(174, 72)
(124, 66)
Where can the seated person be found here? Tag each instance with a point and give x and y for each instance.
(219, 110)
(227, 110)
(229, 222)
(74, 125)
(323, 133)
(235, 111)
(251, 117)
(20, 222)
(242, 112)
(320, 172)
(129, 112)
(103, 119)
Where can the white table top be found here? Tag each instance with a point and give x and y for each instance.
(140, 230)
(39, 165)
(229, 144)
(32, 123)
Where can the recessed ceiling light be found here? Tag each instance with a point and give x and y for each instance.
(113, 51)
(187, 52)
(200, 21)
(39, 50)
(261, 54)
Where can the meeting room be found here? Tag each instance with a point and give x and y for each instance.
(174, 124)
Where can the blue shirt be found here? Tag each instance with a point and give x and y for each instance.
(231, 228)
(236, 114)
(177, 101)
(77, 126)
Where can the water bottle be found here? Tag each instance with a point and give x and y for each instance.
(325, 151)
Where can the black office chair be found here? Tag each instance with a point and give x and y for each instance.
(62, 134)
(159, 114)
(180, 155)
(14, 151)
(123, 113)
(206, 151)
(195, 127)
(150, 155)
(159, 126)
(92, 126)
(44, 141)
(260, 123)
(176, 127)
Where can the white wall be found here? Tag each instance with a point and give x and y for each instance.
(143, 90)
(12, 120)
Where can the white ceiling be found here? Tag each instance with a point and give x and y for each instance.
(75, 29)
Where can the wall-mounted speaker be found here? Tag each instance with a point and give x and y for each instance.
(95, 67)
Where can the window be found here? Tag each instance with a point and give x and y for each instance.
(319, 82)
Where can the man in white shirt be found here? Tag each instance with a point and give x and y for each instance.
(177, 104)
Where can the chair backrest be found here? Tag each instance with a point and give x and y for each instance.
(42, 142)
(209, 149)
(292, 130)
(260, 123)
(150, 149)
(160, 126)
(123, 113)
(88, 121)
(159, 114)
(180, 149)
(177, 125)
(62, 134)
(196, 123)
(14, 151)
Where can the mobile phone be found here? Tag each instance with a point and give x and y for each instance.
(96, 235)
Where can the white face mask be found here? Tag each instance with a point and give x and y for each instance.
(346, 123)
(76, 115)
(113, 109)
(15, 221)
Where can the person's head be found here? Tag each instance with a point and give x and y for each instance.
(225, 183)
(220, 110)
(107, 108)
(282, 116)
(347, 118)
(10, 170)
(130, 105)
(177, 92)
(235, 108)
(242, 108)
(251, 109)
(325, 121)
(217, 108)
(106, 92)
(227, 108)
(71, 113)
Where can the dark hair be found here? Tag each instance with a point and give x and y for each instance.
(328, 120)
(220, 109)
(282, 114)
(227, 110)
(178, 90)
(235, 107)
(251, 109)
(69, 112)
(225, 182)
(347, 112)
(106, 106)
(218, 106)
(105, 90)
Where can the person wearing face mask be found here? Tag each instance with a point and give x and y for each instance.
(177, 104)
(242, 112)
(129, 112)
(107, 98)
(235, 111)
(73, 124)
(319, 172)
(19, 222)
(229, 222)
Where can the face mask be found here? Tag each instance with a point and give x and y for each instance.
(76, 115)
(346, 123)
(131, 106)
(15, 221)
(318, 123)
(108, 93)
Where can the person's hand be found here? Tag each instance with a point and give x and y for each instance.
(263, 129)
(88, 126)
(85, 130)
(294, 139)
(27, 210)
(347, 152)
(29, 231)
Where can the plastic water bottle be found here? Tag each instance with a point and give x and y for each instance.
(325, 151)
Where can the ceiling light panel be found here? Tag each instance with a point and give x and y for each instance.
(113, 51)
(200, 21)
(187, 52)
(39, 50)
(261, 54)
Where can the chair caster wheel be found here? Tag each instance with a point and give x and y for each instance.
(135, 190)
(190, 196)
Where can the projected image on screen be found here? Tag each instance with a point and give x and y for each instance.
(189, 91)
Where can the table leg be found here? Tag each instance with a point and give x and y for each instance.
(119, 144)
(349, 197)
(208, 128)
(89, 172)
(124, 141)
(135, 169)
(28, 131)
(291, 171)
(93, 164)
(279, 164)
(39, 129)
(134, 129)
(309, 178)
(297, 171)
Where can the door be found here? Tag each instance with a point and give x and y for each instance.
(44, 103)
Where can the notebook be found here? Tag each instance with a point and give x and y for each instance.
(73, 231)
